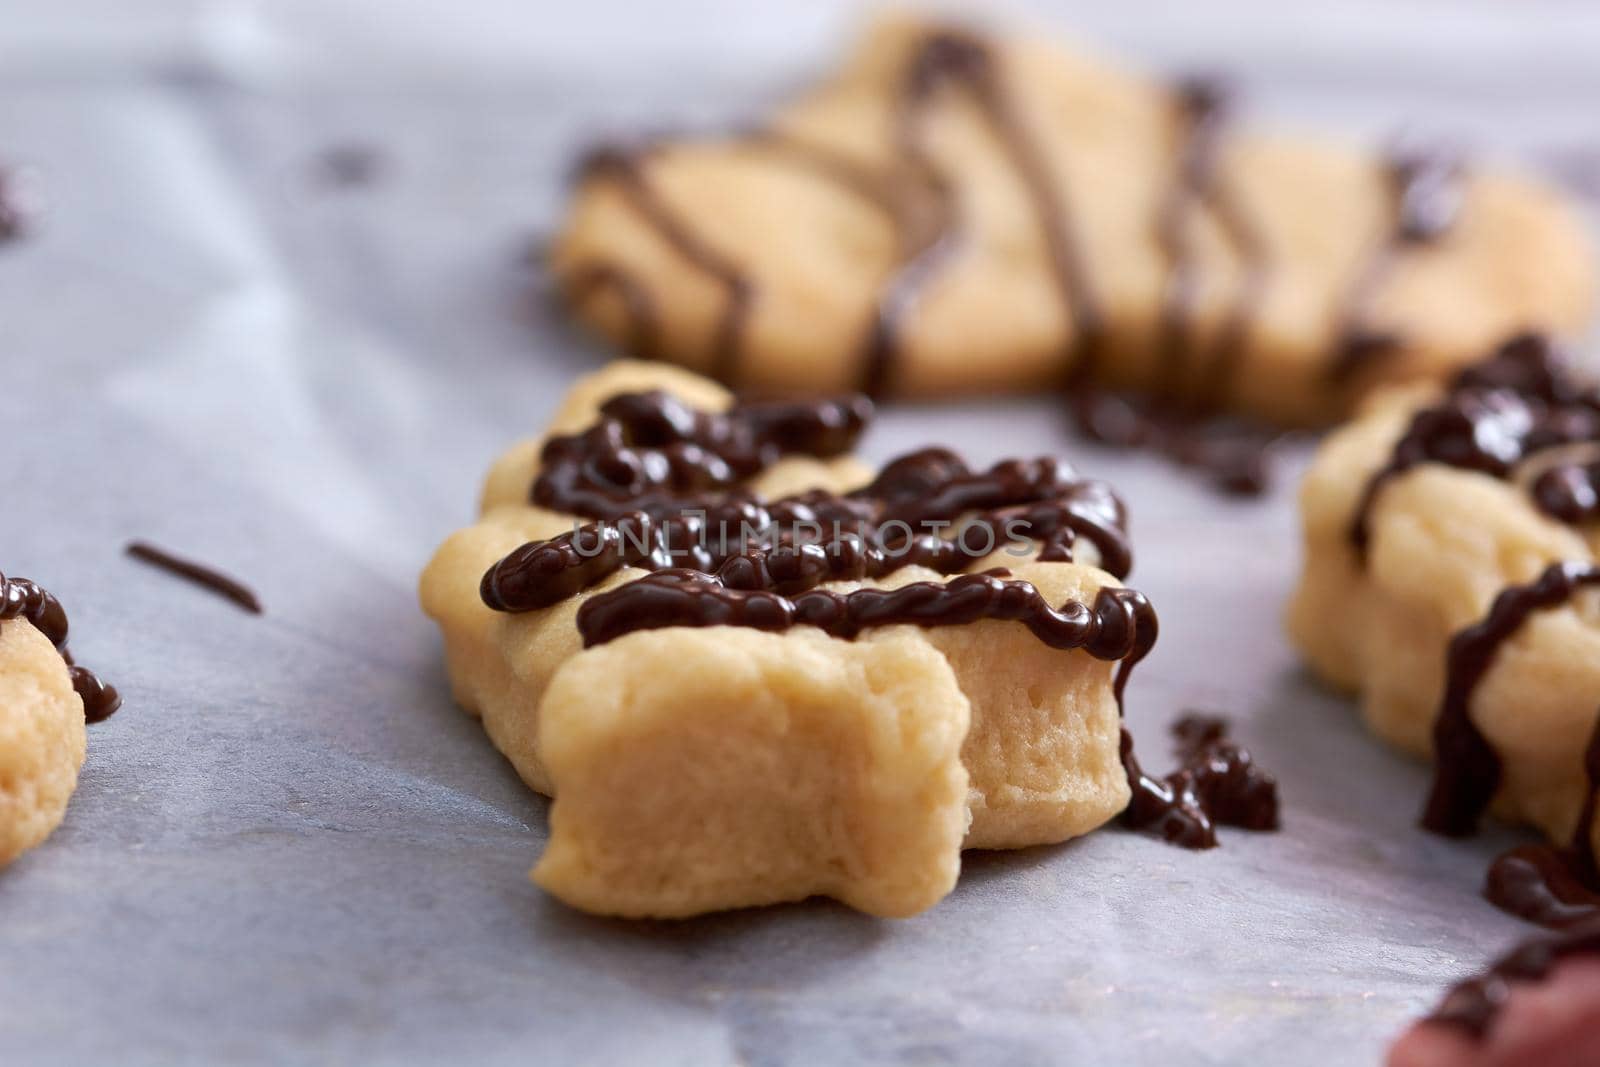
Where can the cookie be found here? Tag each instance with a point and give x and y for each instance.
(1449, 568)
(954, 214)
(44, 702)
(729, 726)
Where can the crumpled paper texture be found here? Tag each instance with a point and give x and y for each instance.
(290, 847)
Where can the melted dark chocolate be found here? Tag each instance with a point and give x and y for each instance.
(1234, 455)
(1120, 624)
(665, 481)
(1475, 1004)
(198, 573)
(653, 453)
(1217, 783)
(21, 598)
(1493, 417)
(1425, 183)
(1466, 766)
(1548, 884)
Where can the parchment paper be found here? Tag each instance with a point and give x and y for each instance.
(289, 847)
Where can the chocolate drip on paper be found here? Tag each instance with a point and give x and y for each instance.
(1475, 1004)
(205, 577)
(1466, 767)
(24, 599)
(1551, 885)
(798, 542)
(1494, 417)
(1425, 184)
(1217, 783)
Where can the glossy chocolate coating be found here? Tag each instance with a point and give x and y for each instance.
(24, 599)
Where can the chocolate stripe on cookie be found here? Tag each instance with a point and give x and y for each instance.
(1426, 188)
(1120, 626)
(1495, 417)
(1550, 885)
(1467, 769)
(651, 452)
(1203, 104)
(649, 456)
(21, 598)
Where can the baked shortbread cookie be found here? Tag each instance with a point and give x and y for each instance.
(954, 214)
(44, 701)
(723, 727)
(1450, 543)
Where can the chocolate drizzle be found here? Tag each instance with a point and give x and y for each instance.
(21, 598)
(1217, 783)
(201, 575)
(650, 452)
(1120, 626)
(1549, 885)
(664, 481)
(1475, 1004)
(1425, 183)
(1466, 766)
(1518, 415)
(1495, 417)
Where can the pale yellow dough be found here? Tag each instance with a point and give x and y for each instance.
(42, 738)
(1443, 542)
(992, 317)
(702, 769)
